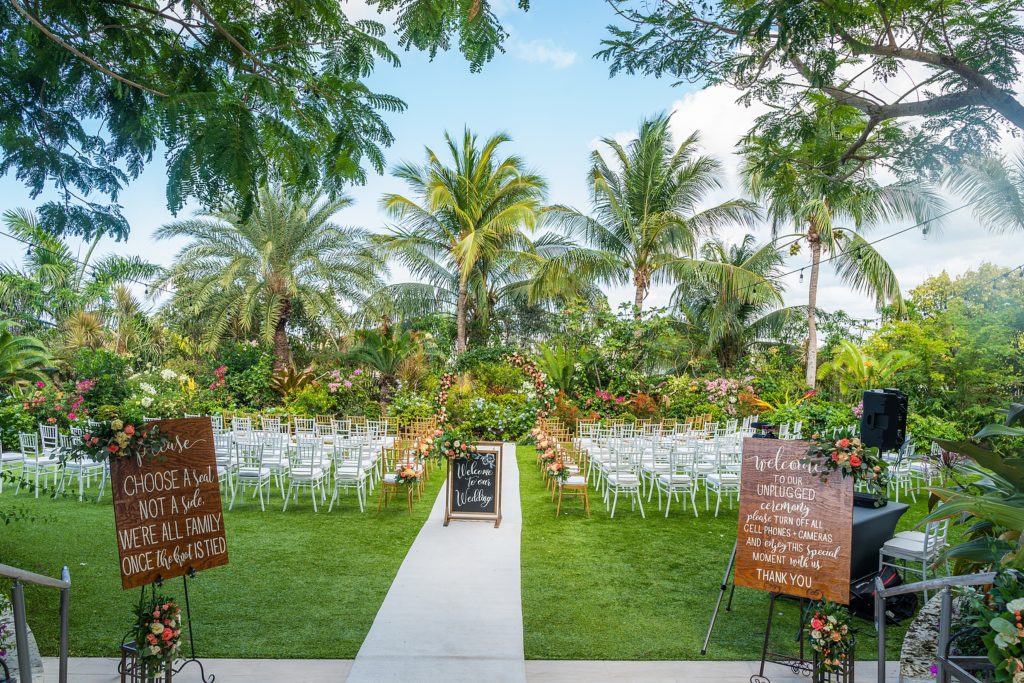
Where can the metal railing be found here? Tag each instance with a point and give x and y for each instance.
(63, 584)
(945, 668)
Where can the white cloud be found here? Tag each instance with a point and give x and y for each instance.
(541, 51)
(960, 244)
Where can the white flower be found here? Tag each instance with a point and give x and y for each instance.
(168, 374)
(146, 402)
(1015, 605)
(147, 388)
(154, 650)
(156, 628)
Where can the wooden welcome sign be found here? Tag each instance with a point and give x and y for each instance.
(474, 485)
(167, 510)
(794, 530)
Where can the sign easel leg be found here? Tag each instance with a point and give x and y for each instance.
(721, 594)
(191, 641)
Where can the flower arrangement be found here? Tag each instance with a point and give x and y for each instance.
(441, 400)
(406, 474)
(550, 454)
(831, 636)
(157, 634)
(557, 470)
(52, 404)
(540, 380)
(453, 446)
(336, 381)
(218, 377)
(118, 439)
(850, 458)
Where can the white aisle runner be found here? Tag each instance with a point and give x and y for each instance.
(454, 612)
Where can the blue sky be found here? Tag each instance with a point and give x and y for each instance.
(556, 102)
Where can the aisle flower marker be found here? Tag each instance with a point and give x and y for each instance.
(831, 637)
(157, 635)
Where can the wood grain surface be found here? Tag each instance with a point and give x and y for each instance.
(167, 510)
(794, 530)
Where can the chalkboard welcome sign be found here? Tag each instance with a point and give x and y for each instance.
(167, 510)
(474, 485)
(795, 531)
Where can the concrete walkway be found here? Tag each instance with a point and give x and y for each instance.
(454, 612)
(334, 671)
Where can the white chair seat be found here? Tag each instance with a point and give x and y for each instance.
(674, 479)
(723, 479)
(253, 472)
(623, 478)
(911, 548)
(391, 478)
(11, 457)
(307, 475)
(575, 481)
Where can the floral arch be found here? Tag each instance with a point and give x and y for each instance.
(515, 360)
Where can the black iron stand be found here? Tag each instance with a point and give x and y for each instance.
(721, 594)
(191, 641)
(798, 664)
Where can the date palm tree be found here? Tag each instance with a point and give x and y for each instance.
(730, 298)
(287, 262)
(784, 172)
(646, 208)
(460, 217)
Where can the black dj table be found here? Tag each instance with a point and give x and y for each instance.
(872, 527)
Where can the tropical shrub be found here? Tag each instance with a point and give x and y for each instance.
(497, 377)
(248, 375)
(818, 416)
(109, 371)
(928, 428)
(14, 419)
(407, 406)
(507, 417)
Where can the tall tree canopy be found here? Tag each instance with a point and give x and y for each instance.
(287, 263)
(953, 63)
(648, 201)
(235, 93)
(464, 219)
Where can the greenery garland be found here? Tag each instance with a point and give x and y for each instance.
(849, 457)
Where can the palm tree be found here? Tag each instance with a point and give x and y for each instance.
(856, 371)
(288, 261)
(384, 351)
(462, 217)
(994, 185)
(808, 185)
(646, 203)
(731, 298)
(21, 358)
(54, 286)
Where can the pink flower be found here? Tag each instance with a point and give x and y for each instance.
(348, 384)
(71, 416)
(129, 430)
(40, 384)
(357, 372)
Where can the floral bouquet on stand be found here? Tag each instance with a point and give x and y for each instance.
(157, 634)
(118, 438)
(849, 457)
(557, 471)
(406, 474)
(453, 445)
(831, 638)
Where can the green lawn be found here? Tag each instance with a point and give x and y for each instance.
(301, 584)
(298, 584)
(632, 588)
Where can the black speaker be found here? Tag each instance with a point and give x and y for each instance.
(884, 420)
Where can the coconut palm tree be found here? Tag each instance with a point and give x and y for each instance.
(808, 185)
(461, 217)
(21, 358)
(288, 261)
(54, 287)
(646, 213)
(730, 298)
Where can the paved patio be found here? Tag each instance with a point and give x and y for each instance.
(337, 670)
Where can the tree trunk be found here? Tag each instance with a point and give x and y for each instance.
(460, 318)
(640, 281)
(282, 350)
(812, 303)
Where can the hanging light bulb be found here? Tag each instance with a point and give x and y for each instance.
(801, 275)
